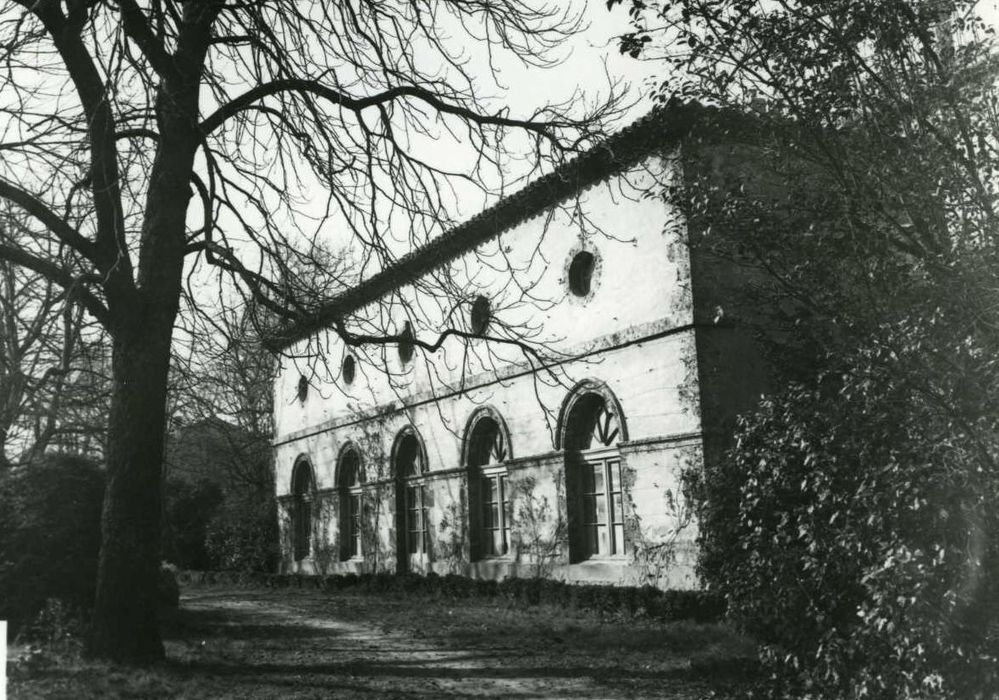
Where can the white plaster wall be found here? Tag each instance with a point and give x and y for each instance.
(652, 381)
(632, 333)
(641, 278)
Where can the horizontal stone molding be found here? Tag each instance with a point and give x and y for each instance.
(643, 333)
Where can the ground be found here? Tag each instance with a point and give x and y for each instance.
(302, 643)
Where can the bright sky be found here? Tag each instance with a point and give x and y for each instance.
(592, 61)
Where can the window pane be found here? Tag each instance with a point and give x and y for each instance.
(598, 477)
(618, 512)
(619, 539)
(601, 503)
(615, 476)
(604, 545)
(497, 542)
(589, 509)
(591, 540)
(586, 478)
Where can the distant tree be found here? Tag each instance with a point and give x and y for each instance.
(221, 404)
(153, 140)
(49, 535)
(850, 526)
(54, 373)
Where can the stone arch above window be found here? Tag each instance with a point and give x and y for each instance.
(303, 486)
(349, 482)
(486, 438)
(409, 458)
(490, 512)
(412, 498)
(303, 481)
(591, 417)
(591, 424)
(349, 466)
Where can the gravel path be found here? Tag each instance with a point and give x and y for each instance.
(291, 642)
(303, 643)
(320, 656)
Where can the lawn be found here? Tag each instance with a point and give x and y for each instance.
(303, 643)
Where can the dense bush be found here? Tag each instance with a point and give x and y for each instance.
(50, 514)
(243, 537)
(853, 528)
(188, 508)
(615, 601)
(168, 587)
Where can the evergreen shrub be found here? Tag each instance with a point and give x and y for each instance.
(50, 535)
(610, 601)
(852, 531)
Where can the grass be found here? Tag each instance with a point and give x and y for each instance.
(229, 643)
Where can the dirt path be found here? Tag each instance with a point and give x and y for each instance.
(301, 643)
(287, 645)
(296, 643)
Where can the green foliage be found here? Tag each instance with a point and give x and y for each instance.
(50, 515)
(57, 625)
(608, 601)
(188, 508)
(168, 588)
(850, 531)
(244, 538)
(851, 527)
(540, 530)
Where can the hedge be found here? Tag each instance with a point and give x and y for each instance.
(618, 601)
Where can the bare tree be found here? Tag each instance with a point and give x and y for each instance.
(222, 377)
(52, 385)
(153, 139)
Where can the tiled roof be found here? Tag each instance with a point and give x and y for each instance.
(660, 127)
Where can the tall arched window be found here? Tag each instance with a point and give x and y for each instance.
(490, 512)
(591, 432)
(350, 480)
(302, 487)
(412, 500)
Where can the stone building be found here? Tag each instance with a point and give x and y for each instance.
(484, 460)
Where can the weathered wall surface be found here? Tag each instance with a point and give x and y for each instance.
(630, 339)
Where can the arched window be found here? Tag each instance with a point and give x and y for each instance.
(592, 430)
(412, 500)
(490, 512)
(302, 487)
(350, 479)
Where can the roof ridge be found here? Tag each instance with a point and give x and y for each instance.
(661, 125)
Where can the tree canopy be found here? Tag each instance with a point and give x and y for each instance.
(146, 141)
(849, 524)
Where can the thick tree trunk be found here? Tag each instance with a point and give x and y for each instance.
(125, 610)
(125, 625)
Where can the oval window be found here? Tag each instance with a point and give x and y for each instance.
(303, 388)
(406, 344)
(581, 273)
(480, 315)
(348, 369)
